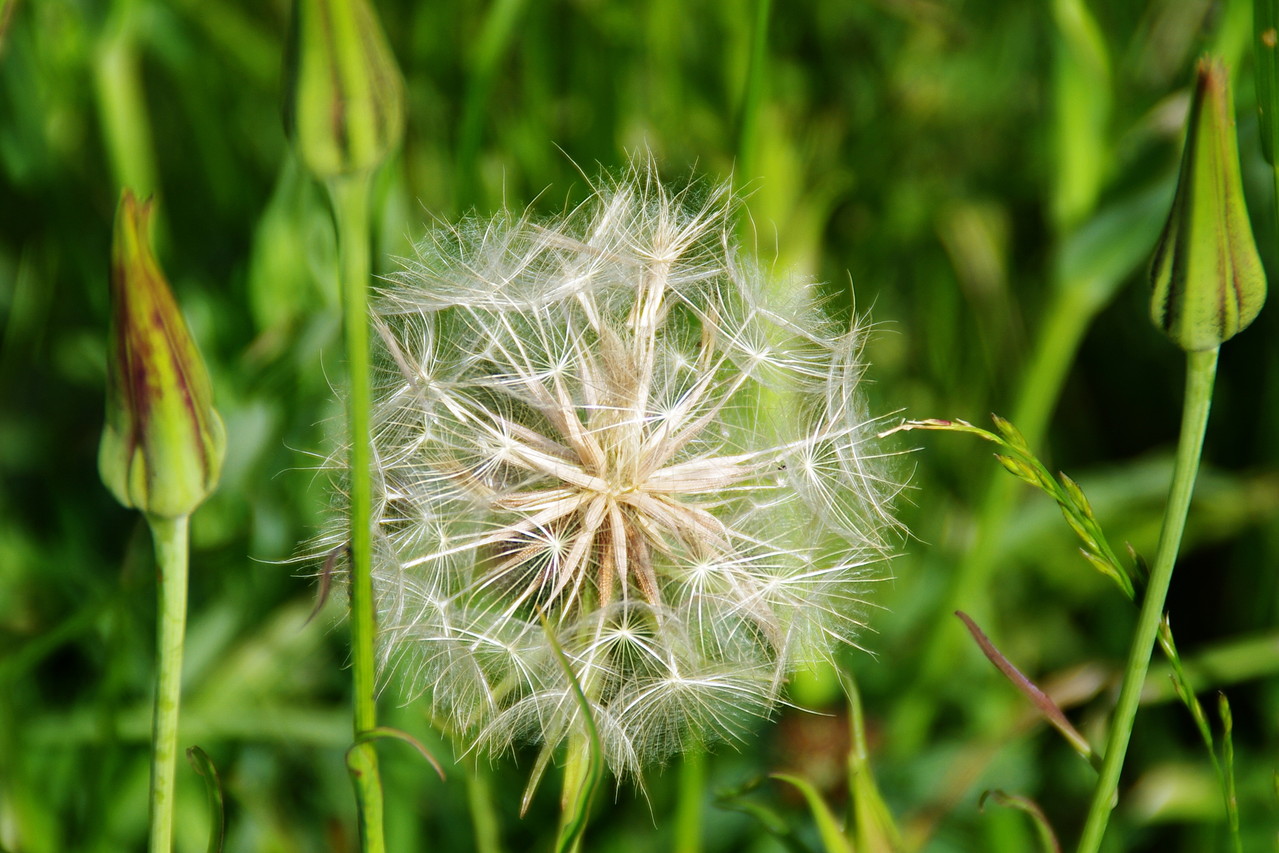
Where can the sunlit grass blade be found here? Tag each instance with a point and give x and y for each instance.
(828, 828)
(874, 827)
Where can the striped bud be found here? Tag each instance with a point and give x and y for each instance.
(1207, 277)
(343, 94)
(163, 443)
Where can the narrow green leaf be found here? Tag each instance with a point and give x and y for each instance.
(828, 828)
(1100, 255)
(1047, 838)
(735, 799)
(213, 789)
(874, 828)
(380, 732)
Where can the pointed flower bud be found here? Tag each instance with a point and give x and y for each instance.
(163, 443)
(1207, 277)
(343, 94)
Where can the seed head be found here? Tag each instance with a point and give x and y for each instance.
(612, 428)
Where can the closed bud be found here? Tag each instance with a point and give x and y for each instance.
(1207, 277)
(343, 94)
(163, 443)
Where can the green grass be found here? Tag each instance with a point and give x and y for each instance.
(912, 149)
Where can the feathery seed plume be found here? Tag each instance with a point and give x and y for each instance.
(614, 426)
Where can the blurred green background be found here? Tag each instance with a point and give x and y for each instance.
(990, 178)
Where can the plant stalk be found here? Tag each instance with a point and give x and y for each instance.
(350, 197)
(688, 810)
(170, 538)
(1201, 371)
(126, 123)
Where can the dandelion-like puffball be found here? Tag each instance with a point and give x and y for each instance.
(610, 434)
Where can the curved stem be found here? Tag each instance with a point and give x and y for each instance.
(170, 537)
(1201, 370)
(350, 197)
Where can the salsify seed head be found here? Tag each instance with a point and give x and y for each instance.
(613, 429)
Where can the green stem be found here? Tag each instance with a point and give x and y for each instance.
(350, 197)
(170, 536)
(688, 808)
(122, 104)
(1201, 370)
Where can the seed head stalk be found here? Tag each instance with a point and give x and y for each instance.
(1201, 371)
(349, 194)
(170, 537)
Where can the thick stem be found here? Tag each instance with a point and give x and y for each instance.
(350, 196)
(170, 536)
(1201, 370)
(688, 810)
(122, 104)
